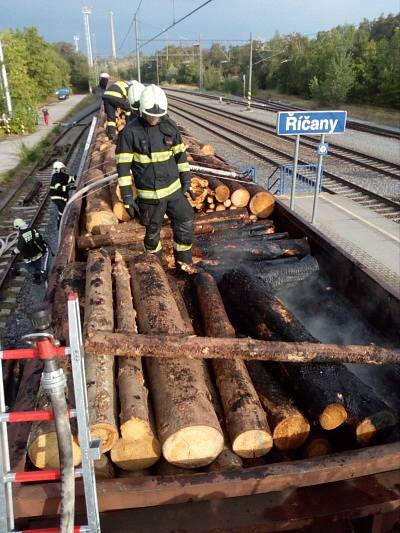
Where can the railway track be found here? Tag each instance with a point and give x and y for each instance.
(29, 201)
(247, 136)
(270, 105)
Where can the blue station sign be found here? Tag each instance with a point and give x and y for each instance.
(311, 122)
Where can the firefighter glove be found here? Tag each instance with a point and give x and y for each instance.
(130, 205)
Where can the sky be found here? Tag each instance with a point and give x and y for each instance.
(219, 20)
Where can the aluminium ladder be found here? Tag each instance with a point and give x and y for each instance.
(45, 347)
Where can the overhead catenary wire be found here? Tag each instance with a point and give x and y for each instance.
(130, 26)
(173, 24)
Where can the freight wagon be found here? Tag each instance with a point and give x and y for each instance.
(335, 310)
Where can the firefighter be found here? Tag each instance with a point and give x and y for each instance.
(116, 96)
(103, 81)
(33, 249)
(134, 92)
(150, 146)
(61, 184)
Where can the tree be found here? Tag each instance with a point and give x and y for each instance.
(78, 67)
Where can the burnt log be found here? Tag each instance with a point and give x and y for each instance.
(289, 426)
(330, 392)
(246, 421)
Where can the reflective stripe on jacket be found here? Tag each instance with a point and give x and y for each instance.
(156, 157)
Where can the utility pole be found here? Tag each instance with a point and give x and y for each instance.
(4, 82)
(200, 66)
(96, 74)
(76, 41)
(244, 87)
(86, 12)
(137, 49)
(250, 74)
(113, 47)
(158, 76)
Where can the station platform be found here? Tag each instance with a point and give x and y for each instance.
(370, 238)
(10, 147)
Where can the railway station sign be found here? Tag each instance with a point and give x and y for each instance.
(311, 122)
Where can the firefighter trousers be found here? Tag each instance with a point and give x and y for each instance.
(180, 213)
(60, 204)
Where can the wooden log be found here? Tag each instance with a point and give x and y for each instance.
(175, 346)
(228, 202)
(221, 191)
(184, 296)
(99, 210)
(262, 202)
(187, 425)
(207, 149)
(117, 206)
(134, 236)
(42, 443)
(240, 196)
(317, 446)
(331, 393)
(288, 425)
(245, 418)
(220, 207)
(104, 468)
(99, 315)
(136, 424)
(239, 214)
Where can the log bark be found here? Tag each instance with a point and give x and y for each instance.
(136, 423)
(262, 202)
(42, 443)
(187, 425)
(245, 418)
(99, 315)
(289, 426)
(104, 468)
(174, 346)
(330, 392)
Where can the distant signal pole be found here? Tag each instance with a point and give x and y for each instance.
(4, 82)
(86, 12)
(113, 47)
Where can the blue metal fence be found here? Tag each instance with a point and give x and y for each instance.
(306, 178)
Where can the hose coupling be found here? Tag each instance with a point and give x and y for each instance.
(54, 381)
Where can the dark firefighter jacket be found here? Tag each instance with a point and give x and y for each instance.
(30, 244)
(61, 184)
(155, 155)
(117, 94)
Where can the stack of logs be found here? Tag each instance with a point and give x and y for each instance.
(104, 206)
(192, 413)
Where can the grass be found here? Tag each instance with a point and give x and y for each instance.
(369, 113)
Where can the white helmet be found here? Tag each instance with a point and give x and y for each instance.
(104, 75)
(153, 101)
(135, 90)
(57, 166)
(19, 223)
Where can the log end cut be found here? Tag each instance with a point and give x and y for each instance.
(252, 443)
(316, 447)
(291, 432)
(107, 433)
(193, 447)
(333, 416)
(103, 468)
(262, 204)
(136, 454)
(43, 451)
(369, 427)
(136, 429)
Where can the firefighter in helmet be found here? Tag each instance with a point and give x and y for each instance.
(33, 249)
(61, 184)
(134, 92)
(115, 97)
(150, 151)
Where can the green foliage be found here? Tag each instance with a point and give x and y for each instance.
(77, 63)
(346, 64)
